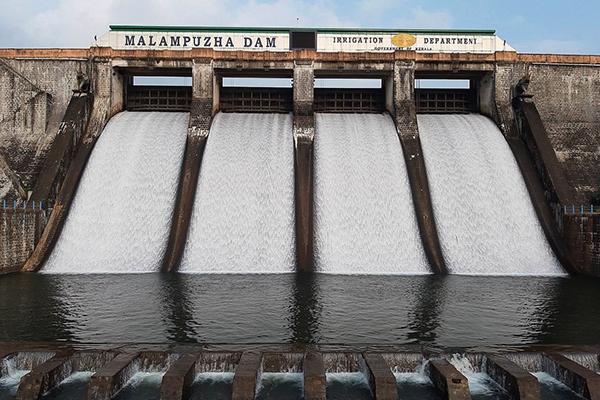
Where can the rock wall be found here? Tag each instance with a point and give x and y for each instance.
(582, 234)
(20, 230)
(34, 95)
(568, 99)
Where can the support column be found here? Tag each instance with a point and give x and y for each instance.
(304, 133)
(201, 115)
(405, 117)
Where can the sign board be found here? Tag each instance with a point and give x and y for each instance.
(227, 41)
(278, 39)
(421, 43)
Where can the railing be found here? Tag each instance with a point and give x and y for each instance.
(159, 98)
(349, 100)
(26, 205)
(259, 100)
(445, 101)
(580, 209)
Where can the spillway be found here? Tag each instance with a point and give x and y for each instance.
(485, 219)
(120, 217)
(243, 216)
(364, 215)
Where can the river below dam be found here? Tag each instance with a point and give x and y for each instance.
(440, 312)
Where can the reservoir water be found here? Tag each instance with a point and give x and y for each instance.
(440, 312)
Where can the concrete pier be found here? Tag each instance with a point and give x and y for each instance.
(405, 117)
(201, 114)
(304, 133)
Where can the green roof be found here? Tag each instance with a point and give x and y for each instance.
(154, 28)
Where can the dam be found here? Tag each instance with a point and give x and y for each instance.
(268, 213)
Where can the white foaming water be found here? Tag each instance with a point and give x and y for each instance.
(364, 215)
(243, 217)
(11, 377)
(418, 376)
(485, 219)
(480, 384)
(552, 389)
(120, 218)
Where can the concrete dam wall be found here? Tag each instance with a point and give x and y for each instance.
(568, 111)
(242, 220)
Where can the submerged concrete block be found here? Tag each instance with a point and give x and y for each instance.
(315, 382)
(519, 383)
(381, 379)
(448, 380)
(106, 382)
(246, 376)
(45, 377)
(578, 378)
(178, 379)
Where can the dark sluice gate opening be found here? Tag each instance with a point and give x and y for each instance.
(446, 96)
(258, 100)
(349, 100)
(347, 95)
(255, 94)
(158, 93)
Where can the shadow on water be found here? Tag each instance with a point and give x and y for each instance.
(177, 309)
(305, 308)
(424, 319)
(569, 302)
(39, 311)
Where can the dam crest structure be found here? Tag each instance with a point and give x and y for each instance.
(302, 156)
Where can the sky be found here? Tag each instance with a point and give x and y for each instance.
(536, 26)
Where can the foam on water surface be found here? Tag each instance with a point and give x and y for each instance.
(415, 385)
(552, 389)
(243, 216)
(142, 385)
(280, 386)
(481, 385)
(121, 214)
(348, 386)
(484, 215)
(212, 385)
(72, 388)
(364, 214)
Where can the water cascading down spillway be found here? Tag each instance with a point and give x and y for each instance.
(243, 216)
(486, 221)
(364, 215)
(120, 217)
